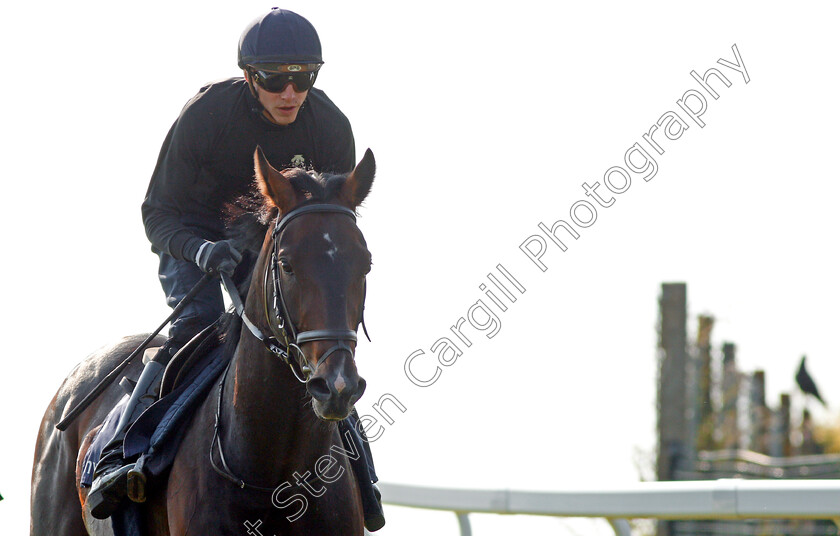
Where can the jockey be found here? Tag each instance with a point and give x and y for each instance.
(207, 161)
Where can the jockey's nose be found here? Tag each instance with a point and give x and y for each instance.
(288, 92)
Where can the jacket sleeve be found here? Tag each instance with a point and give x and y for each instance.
(177, 171)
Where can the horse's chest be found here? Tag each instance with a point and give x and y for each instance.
(226, 509)
(260, 516)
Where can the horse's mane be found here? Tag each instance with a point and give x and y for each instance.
(247, 218)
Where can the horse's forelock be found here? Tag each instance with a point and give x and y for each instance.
(247, 218)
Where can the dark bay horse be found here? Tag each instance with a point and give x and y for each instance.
(275, 431)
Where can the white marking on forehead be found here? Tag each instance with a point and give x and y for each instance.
(333, 250)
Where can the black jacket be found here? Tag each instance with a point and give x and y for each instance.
(207, 158)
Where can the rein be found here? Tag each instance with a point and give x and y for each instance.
(284, 336)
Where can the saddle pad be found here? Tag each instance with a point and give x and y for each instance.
(139, 434)
(158, 431)
(103, 437)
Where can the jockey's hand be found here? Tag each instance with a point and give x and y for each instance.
(218, 257)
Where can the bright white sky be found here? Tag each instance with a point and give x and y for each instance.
(485, 118)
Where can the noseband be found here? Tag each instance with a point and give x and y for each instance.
(284, 337)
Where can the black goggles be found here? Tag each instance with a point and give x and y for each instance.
(275, 82)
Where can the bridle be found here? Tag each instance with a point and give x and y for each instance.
(285, 339)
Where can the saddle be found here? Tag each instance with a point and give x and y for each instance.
(156, 432)
(189, 375)
(184, 361)
(178, 366)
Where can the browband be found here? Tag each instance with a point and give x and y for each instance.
(307, 209)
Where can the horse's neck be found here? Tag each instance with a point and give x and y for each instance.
(267, 418)
(269, 429)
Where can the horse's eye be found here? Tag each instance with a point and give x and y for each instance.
(286, 266)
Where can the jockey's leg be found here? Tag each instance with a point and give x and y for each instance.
(177, 278)
(365, 472)
(109, 482)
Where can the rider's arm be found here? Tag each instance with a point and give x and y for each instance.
(174, 183)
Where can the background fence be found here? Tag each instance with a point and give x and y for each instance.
(727, 463)
(714, 422)
(760, 502)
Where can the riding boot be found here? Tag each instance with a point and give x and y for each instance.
(365, 473)
(109, 484)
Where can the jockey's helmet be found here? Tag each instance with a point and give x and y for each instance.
(278, 38)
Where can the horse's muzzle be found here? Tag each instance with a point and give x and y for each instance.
(335, 387)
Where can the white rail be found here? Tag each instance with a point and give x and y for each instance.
(707, 499)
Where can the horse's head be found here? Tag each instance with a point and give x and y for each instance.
(317, 260)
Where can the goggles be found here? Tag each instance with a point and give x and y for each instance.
(275, 81)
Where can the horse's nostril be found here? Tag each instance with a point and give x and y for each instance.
(360, 390)
(318, 388)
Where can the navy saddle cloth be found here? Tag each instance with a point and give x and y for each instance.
(158, 432)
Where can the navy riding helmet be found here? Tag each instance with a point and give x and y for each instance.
(279, 37)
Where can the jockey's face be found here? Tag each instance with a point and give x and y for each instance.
(281, 108)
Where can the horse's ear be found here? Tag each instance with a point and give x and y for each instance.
(358, 183)
(273, 185)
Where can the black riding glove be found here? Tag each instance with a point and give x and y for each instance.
(218, 257)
